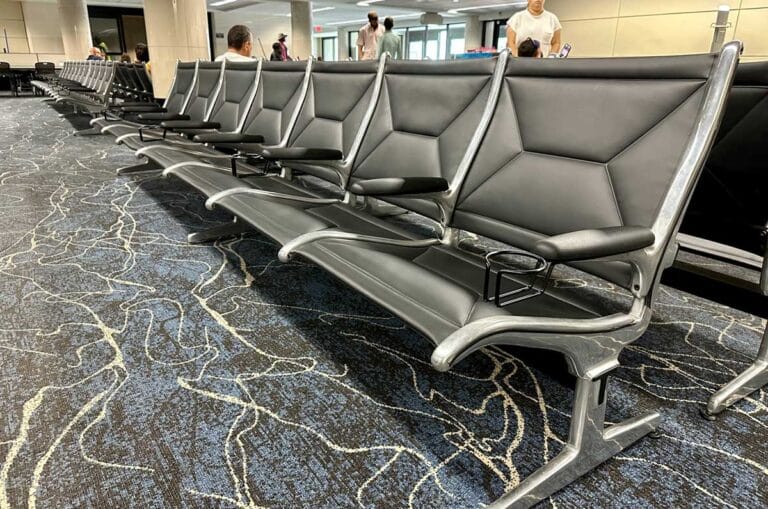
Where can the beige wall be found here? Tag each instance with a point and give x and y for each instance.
(658, 27)
(12, 20)
(176, 30)
(43, 30)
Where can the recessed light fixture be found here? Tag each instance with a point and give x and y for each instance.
(222, 2)
(460, 9)
(321, 9)
(366, 3)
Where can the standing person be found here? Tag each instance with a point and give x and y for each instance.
(368, 38)
(536, 23)
(389, 42)
(284, 56)
(142, 56)
(239, 45)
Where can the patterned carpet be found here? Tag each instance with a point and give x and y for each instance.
(139, 371)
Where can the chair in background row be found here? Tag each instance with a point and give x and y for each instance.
(728, 216)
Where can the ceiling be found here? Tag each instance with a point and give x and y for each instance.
(332, 13)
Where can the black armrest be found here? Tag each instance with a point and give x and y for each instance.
(301, 153)
(397, 185)
(228, 138)
(591, 244)
(189, 124)
(163, 116)
(147, 107)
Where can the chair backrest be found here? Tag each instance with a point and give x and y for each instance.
(591, 143)
(5, 66)
(237, 93)
(425, 120)
(730, 205)
(144, 81)
(204, 90)
(181, 88)
(45, 68)
(280, 93)
(338, 97)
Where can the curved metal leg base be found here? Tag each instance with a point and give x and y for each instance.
(589, 445)
(218, 232)
(147, 165)
(750, 380)
(93, 131)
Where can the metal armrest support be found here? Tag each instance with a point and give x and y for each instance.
(588, 356)
(287, 250)
(211, 202)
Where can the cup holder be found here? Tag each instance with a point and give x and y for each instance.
(502, 261)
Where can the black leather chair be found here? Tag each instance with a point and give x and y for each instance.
(728, 216)
(586, 162)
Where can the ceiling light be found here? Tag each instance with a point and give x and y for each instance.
(321, 9)
(348, 22)
(222, 2)
(366, 3)
(459, 9)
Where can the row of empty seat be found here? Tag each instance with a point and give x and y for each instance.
(588, 163)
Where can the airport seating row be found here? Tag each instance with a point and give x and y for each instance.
(588, 163)
(728, 216)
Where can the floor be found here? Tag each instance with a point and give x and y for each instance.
(137, 370)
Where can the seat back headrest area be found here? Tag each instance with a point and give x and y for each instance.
(208, 74)
(582, 143)
(276, 100)
(234, 97)
(185, 74)
(424, 119)
(337, 99)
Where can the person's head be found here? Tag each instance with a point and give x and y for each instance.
(142, 52)
(529, 48)
(125, 58)
(373, 19)
(388, 23)
(282, 37)
(95, 52)
(276, 46)
(536, 6)
(240, 40)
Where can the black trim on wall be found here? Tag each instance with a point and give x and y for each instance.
(116, 13)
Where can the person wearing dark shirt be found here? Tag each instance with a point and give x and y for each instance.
(277, 53)
(529, 48)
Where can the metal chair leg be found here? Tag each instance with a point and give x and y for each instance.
(749, 381)
(589, 445)
(222, 231)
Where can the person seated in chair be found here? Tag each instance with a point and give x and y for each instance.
(529, 48)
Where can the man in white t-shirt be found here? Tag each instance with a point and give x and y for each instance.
(536, 23)
(239, 45)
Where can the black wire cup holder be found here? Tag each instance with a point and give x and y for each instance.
(540, 276)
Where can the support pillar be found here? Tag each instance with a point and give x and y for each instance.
(473, 34)
(342, 44)
(75, 29)
(301, 29)
(176, 30)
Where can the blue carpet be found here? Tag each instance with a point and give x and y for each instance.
(137, 370)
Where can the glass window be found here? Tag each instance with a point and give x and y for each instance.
(437, 35)
(456, 39)
(414, 44)
(352, 42)
(329, 53)
(106, 35)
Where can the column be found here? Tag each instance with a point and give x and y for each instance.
(176, 30)
(301, 29)
(342, 44)
(75, 29)
(473, 33)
